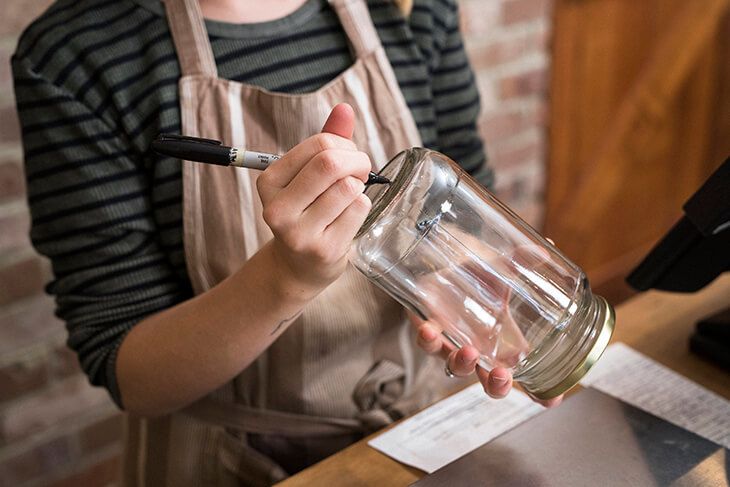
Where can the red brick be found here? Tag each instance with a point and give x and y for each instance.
(514, 11)
(100, 474)
(72, 399)
(102, 433)
(27, 323)
(510, 193)
(506, 158)
(37, 461)
(18, 14)
(493, 54)
(531, 212)
(64, 362)
(505, 49)
(545, 40)
(22, 279)
(542, 113)
(12, 181)
(19, 468)
(503, 125)
(14, 231)
(478, 18)
(524, 84)
(522, 186)
(9, 124)
(21, 377)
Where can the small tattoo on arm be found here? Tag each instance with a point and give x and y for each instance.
(288, 320)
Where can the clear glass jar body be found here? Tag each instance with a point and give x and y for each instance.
(449, 251)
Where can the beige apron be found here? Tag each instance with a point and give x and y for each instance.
(348, 365)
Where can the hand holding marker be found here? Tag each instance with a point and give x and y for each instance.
(213, 152)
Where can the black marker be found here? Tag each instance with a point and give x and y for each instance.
(212, 152)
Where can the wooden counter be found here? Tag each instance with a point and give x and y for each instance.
(658, 324)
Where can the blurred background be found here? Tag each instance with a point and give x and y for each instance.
(601, 117)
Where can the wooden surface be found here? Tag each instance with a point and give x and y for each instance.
(640, 116)
(658, 324)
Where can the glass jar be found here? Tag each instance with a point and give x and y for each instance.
(450, 252)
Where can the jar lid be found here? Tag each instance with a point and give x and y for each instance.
(604, 336)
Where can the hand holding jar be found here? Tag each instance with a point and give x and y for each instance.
(482, 279)
(463, 362)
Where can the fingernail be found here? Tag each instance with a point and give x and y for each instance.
(497, 380)
(465, 360)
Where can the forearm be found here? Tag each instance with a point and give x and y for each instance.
(173, 358)
(313, 202)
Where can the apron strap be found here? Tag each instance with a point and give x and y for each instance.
(269, 422)
(358, 25)
(190, 37)
(376, 395)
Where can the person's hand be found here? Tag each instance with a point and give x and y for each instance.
(313, 202)
(462, 362)
(509, 346)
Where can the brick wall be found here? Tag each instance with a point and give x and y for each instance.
(56, 430)
(508, 44)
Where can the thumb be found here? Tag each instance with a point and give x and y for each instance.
(341, 121)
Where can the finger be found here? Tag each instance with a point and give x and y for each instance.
(462, 361)
(496, 383)
(324, 170)
(429, 339)
(281, 172)
(415, 319)
(548, 403)
(343, 229)
(336, 133)
(331, 204)
(341, 121)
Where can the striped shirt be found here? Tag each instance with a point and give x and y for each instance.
(96, 81)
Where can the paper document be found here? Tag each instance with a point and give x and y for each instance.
(628, 375)
(453, 427)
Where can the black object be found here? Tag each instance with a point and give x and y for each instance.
(591, 439)
(195, 149)
(697, 249)
(711, 339)
(211, 151)
(691, 255)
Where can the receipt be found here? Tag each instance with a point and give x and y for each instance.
(453, 427)
(465, 421)
(628, 375)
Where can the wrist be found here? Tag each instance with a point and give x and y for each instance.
(290, 283)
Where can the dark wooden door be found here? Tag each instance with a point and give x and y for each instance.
(640, 116)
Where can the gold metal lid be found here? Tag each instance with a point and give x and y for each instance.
(604, 336)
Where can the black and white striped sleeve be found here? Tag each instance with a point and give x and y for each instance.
(92, 217)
